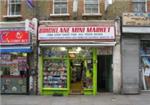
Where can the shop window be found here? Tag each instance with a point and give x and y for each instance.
(14, 7)
(139, 6)
(63, 67)
(145, 62)
(55, 68)
(13, 72)
(91, 6)
(60, 7)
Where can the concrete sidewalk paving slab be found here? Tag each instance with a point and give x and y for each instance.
(101, 99)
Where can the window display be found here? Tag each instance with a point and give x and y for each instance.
(55, 68)
(145, 59)
(13, 65)
(13, 72)
(55, 73)
(65, 70)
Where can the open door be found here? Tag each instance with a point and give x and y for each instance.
(104, 73)
(76, 76)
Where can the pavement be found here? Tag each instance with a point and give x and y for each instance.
(100, 99)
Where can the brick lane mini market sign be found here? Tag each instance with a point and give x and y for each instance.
(75, 32)
(14, 37)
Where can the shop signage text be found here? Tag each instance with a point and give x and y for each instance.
(14, 37)
(91, 32)
(136, 19)
(31, 25)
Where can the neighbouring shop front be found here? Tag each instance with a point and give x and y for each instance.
(136, 52)
(70, 57)
(14, 64)
(15, 53)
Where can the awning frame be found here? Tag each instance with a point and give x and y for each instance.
(78, 44)
(19, 49)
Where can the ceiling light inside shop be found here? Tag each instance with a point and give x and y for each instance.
(63, 49)
(79, 49)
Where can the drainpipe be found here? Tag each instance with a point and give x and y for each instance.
(75, 9)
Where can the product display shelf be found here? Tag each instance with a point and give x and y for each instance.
(14, 76)
(55, 76)
(54, 89)
(59, 58)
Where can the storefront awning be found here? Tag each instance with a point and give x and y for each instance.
(15, 49)
(80, 44)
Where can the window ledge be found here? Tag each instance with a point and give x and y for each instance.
(91, 14)
(12, 16)
(54, 15)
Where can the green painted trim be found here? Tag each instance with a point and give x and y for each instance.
(87, 89)
(94, 71)
(48, 92)
(88, 92)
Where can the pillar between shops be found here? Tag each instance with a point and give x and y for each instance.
(116, 69)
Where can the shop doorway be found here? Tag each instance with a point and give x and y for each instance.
(81, 70)
(104, 73)
(76, 68)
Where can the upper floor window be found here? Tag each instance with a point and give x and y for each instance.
(139, 5)
(14, 7)
(60, 6)
(91, 6)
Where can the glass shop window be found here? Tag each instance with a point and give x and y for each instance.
(145, 62)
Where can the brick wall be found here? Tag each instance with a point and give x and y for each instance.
(43, 9)
(3, 8)
(46, 8)
(117, 8)
(148, 6)
(26, 12)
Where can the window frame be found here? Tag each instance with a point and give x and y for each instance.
(62, 14)
(144, 55)
(138, 1)
(94, 14)
(9, 11)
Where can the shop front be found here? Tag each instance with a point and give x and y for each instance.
(68, 56)
(135, 53)
(15, 52)
(13, 62)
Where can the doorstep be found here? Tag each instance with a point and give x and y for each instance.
(145, 91)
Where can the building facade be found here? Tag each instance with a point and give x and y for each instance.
(18, 47)
(80, 23)
(64, 27)
(135, 48)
